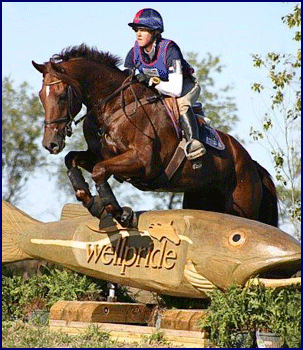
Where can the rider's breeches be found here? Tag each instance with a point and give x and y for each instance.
(190, 93)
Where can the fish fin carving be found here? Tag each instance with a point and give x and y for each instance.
(195, 279)
(14, 222)
(163, 230)
(73, 210)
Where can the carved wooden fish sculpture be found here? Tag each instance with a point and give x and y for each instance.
(183, 253)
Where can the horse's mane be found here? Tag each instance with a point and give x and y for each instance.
(91, 54)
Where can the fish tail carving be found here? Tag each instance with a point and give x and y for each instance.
(14, 222)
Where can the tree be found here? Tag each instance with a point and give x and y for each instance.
(20, 129)
(280, 127)
(218, 105)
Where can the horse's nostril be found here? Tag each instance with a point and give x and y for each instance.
(54, 147)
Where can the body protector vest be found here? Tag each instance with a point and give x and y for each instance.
(157, 68)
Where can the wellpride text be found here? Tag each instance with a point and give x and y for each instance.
(127, 256)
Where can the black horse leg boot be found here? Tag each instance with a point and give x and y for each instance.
(125, 215)
(193, 148)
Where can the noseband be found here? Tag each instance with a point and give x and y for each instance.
(69, 118)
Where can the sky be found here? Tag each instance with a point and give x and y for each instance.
(231, 30)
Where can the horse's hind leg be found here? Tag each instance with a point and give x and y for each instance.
(246, 198)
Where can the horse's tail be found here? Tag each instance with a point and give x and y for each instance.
(14, 223)
(269, 205)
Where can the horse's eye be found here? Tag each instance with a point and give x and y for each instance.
(62, 97)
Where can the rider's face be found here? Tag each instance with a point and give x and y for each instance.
(144, 38)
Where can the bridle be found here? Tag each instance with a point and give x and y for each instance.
(69, 118)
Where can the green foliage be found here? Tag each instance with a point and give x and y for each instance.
(294, 20)
(218, 106)
(21, 128)
(254, 308)
(156, 338)
(226, 316)
(20, 298)
(95, 335)
(280, 128)
(25, 335)
(18, 334)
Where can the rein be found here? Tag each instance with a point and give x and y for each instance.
(124, 85)
(125, 108)
(133, 106)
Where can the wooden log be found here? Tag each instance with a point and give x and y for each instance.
(126, 313)
(181, 319)
(101, 312)
(132, 333)
(177, 319)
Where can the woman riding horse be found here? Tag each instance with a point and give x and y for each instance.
(162, 65)
(130, 135)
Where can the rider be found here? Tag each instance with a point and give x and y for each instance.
(156, 58)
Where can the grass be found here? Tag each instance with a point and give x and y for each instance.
(19, 334)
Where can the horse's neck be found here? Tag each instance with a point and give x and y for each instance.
(97, 82)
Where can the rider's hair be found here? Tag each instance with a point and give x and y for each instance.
(156, 35)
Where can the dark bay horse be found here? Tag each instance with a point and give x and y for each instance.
(130, 135)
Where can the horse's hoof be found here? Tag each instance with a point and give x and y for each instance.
(95, 207)
(128, 218)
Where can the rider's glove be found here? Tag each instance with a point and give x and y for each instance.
(142, 78)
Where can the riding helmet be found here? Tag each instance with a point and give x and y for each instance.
(148, 18)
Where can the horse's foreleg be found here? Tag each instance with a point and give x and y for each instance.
(124, 165)
(86, 160)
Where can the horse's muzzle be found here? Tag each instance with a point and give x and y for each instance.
(54, 147)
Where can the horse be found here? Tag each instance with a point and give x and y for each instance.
(131, 136)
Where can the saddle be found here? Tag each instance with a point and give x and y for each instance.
(208, 135)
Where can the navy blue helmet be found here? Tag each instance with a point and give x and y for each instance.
(148, 18)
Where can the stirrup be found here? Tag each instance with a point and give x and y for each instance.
(194, 154)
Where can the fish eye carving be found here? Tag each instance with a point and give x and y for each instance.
(236, 239)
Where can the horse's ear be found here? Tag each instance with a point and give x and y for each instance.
(57, 68)
(40, 67)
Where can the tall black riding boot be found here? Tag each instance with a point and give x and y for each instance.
(193, 148)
